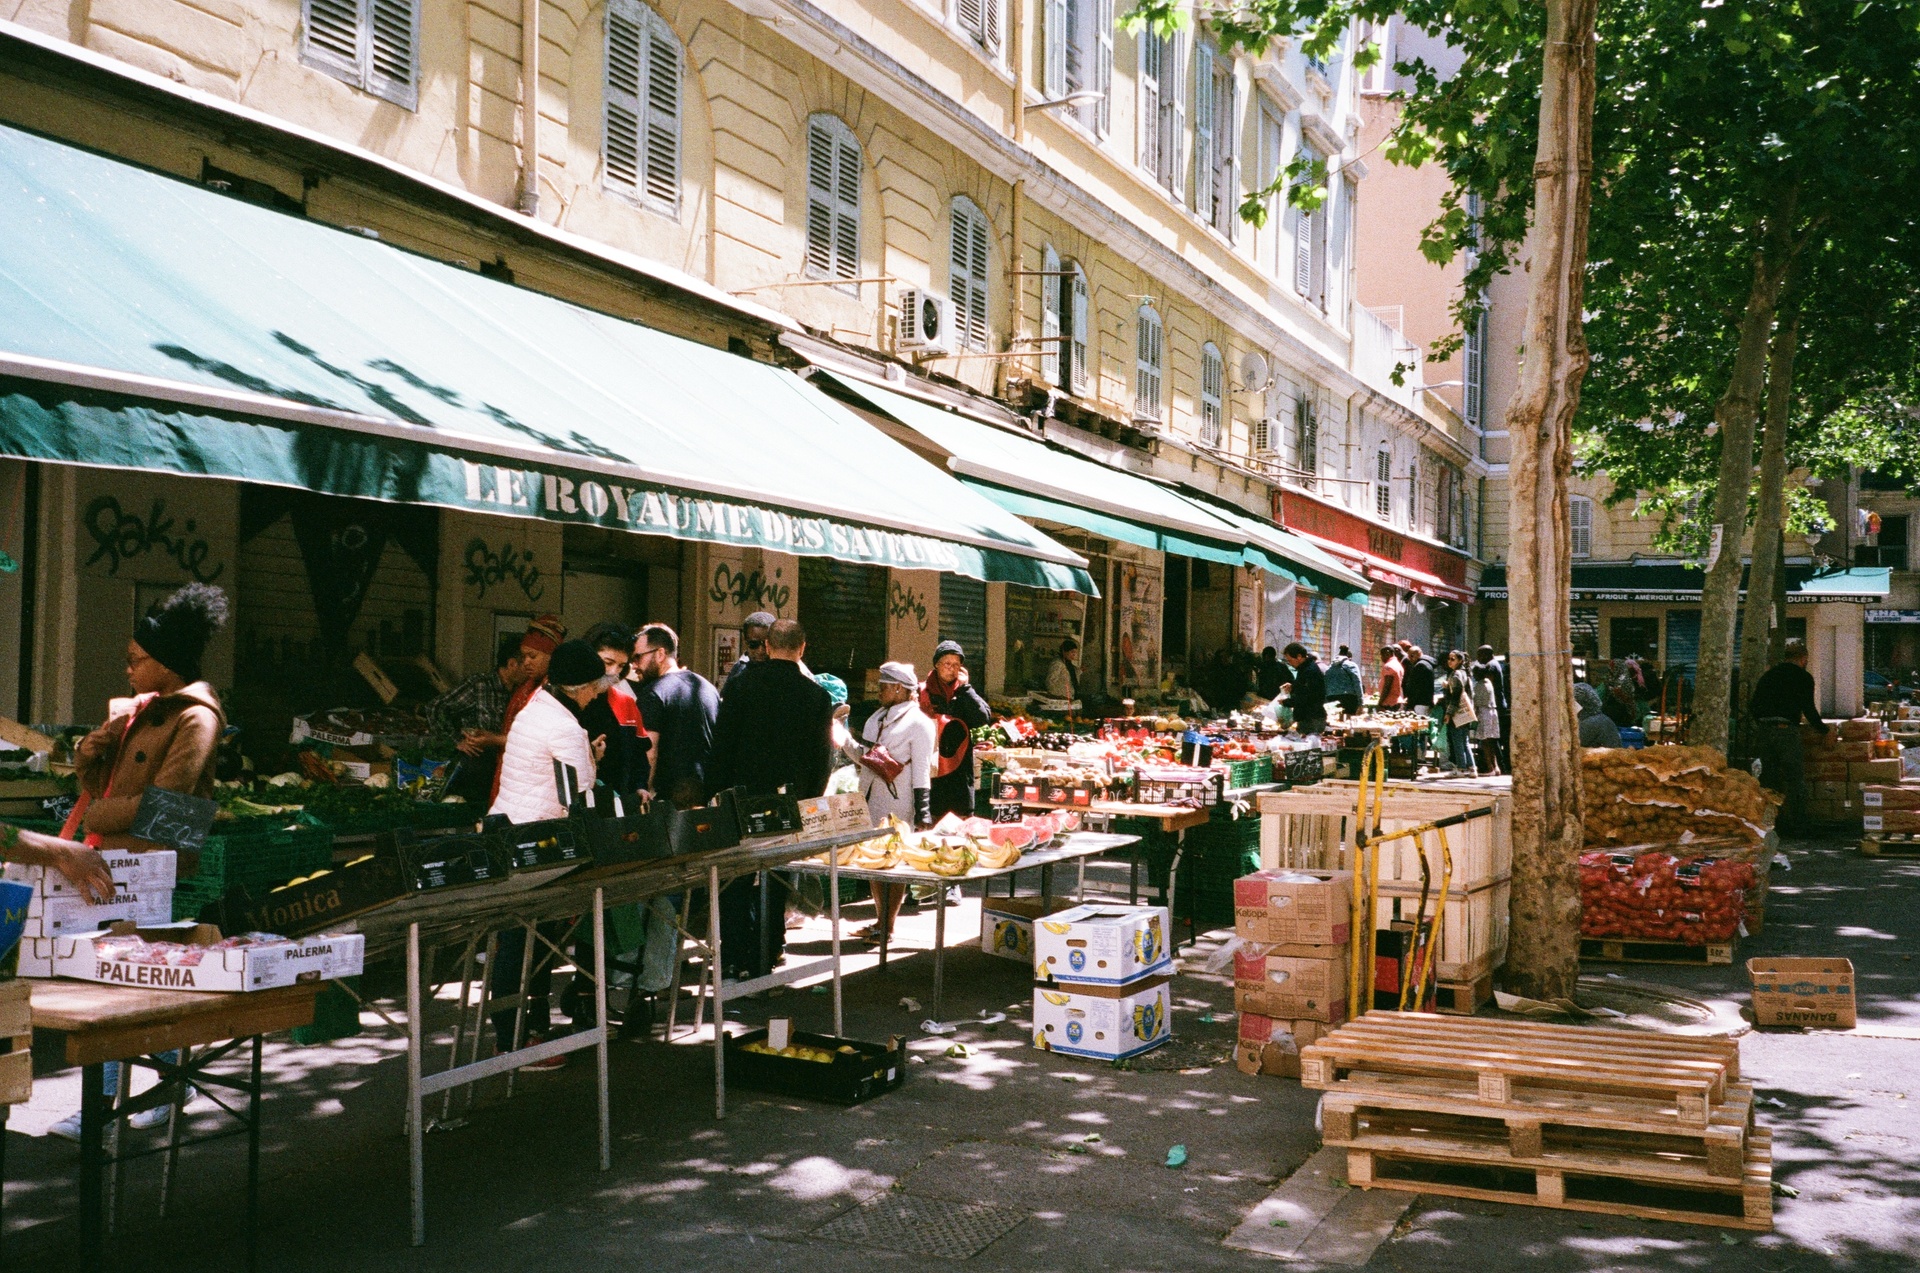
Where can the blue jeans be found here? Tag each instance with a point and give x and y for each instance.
(110, 1072)
(1459, 746)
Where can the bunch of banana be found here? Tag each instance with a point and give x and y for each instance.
(997, 857)
(939, 856)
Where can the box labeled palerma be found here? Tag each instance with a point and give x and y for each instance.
(194, 957)
(1102, 945)
(1313, 908)
(132, 873)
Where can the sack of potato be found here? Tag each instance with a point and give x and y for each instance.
(1670, 794)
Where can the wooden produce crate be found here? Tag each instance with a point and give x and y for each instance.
(1470, 936)
(16, 1042)
(1313, 828)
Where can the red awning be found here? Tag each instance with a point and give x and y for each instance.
(1392, 572)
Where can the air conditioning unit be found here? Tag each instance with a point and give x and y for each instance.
(1263, 436)
(926, 322)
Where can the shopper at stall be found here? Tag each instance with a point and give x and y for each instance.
(1309, 696)
(615, 714)
(1457, 714)
(679, 708)
(1486, 730)
(475, 712)
(549, 737)
(1270, 675)
(844, 778)
(1343, 681)
(1596, 727)
(774, 732)
(895, 754)
(1484, 657)
(1419, 681)
(753, 645)
(1783, 698)
(957, 710)
(1063, 674)
(1392, 675)
(543, 636)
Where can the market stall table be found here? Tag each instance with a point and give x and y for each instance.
(1174, 819)
(1077, 847)
(122, 1023)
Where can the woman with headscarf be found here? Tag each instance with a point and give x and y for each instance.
(957, 710)
(896, 755)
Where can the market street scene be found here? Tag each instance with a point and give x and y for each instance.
(1034, 635)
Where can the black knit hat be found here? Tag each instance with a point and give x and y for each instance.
(575, 663)
(175, 632)
(947, 647)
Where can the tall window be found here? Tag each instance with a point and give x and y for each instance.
(1580, 523)
(1306, 440)
(1213, 385)
(1149, 358)
(1473, 371)
(1052, 357)
(833, 199)
(1074, 296)
(968, 272)
(1379, 76)
(1383, 484)
(1216, 148)
(1310, 241)
(980, 19)
(373, 45)
(1163, 110)
(641, 146)
(1079, 57)
(1413, 497)
(1267, 171)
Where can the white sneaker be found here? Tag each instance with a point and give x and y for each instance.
(146, 1118)
(67, 1128)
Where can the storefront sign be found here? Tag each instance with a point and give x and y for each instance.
(1336, 525)
(1893, 616)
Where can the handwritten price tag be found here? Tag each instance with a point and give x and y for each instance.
(173, 818)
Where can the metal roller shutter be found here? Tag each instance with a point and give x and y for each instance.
(963, 618)
(843, 607)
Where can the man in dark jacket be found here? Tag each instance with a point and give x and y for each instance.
(1497, 673)
(775, 731)
(947, 693)
(1309, 697)
(1782, 699)
(1418, 685)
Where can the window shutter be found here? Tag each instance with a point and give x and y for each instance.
(1580, 523)
(332, 36)
(1227, 176)
(1317, 242)
(1383, 478)
(1074, 40)
(820, 201)
(1147, 365)
(990, 29)
(663, 116)
(968, 272)
(1307, 448)
(1078, 307)
(1212, 394)
(1303, 228)
(1103, 65)
(846, 229)
(393, 55)
(1173, 115)
(968, 14)
(1059, 39)
(1052, 356)
(1203, 110)
(1147, 132)
(622, 141)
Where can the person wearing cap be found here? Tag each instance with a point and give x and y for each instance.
(1063, 674)
(896, 754)
(537, 644)
(957, 709)
(845, 745)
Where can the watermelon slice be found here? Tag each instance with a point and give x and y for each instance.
(1019, 837)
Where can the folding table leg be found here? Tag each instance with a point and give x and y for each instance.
(171, 1163)
(600, 1020)
(459, 1025)
(253, 1161)
(719, 995)
(93, 1114)
(416, 1149)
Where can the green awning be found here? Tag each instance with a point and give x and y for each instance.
(1028, 477)
(147, 322)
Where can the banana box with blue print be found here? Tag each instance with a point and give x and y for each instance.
(1102, 945)
(1006, 925)
(1107, 1023)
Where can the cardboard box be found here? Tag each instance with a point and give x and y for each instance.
(1861, 729)
(1312, 908)
(1861, 772)
(1470, 938)
(1281, 986)
(823, 816)
(1892, 796)
(1899, 821)
(1829, 772)
(1006, 925)
(1271, 1045)
(317, 901)
(36, 957)
(64, 914)
(265, 966)
(1807, 992)
(1106, 1027)
(133, 872)
(1099, 945)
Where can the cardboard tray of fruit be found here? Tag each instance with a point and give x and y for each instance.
(816, 1067)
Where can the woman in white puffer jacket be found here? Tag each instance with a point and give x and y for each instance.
(548, 729)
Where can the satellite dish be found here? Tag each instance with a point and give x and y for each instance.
(1254, 375)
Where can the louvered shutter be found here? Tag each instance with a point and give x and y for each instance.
(332, 36)
(663, 116)
(393, 51)
(1173, 115)
(968, 273)
(1073, 47)
(624, 71)
(1303, 228)
(820, 203)
(990, 29)
(1227, 174)
(1103, 65)
(833, 200)
(1147, 365)
(1147, 131)
(1212, 394)
(846, 229)
(1078, 295)
(1307, 446)
(1263, 435)
(968, 14)
(1317, 256)
(1058, 37)
(1203, 109)
(963, 618)
(1052, 356)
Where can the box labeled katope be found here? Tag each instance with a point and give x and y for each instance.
(1107, 1028)
(193, 957)
(1271, 1045)
(1102, 945)
(132, 873)
(1281, 986)
(1804, 992)
(1006, 925)
(1284, 904)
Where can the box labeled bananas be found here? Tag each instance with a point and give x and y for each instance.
(1102, 945)
(1107, 1027)
(1006, 925)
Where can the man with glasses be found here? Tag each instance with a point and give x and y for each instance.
(753, 646)
(679, 707)
(615, 715)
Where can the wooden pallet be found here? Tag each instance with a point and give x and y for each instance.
(1607, 950)
(1890, 844)
(1463, 998)
(16, 1043)
(1686, 1077)
(1595, 1183)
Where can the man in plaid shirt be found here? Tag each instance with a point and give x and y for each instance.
(475, 711)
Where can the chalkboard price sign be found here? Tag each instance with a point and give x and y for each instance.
(173, 818)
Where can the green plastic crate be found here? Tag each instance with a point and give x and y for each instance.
(264, 857)
(435, 816)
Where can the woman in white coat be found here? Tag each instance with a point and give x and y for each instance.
(898, 734)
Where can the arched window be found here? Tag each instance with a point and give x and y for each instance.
(640, 149)
(1213, 384)
(968, 273)
(1580, 523)
(833, 199)
(1052, 357)
(1383, 484)
(1149, 359)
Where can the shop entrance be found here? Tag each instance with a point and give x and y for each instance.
(844, 610)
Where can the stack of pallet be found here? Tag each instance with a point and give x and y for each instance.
(1577, 1118)
(1314, 829)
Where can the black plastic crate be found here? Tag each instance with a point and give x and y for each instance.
(870, 1070)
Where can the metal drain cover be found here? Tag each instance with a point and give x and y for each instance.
(922, 1226)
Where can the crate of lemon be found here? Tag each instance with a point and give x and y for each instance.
(817, 1067)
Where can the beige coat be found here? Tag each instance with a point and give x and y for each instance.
(172, 744)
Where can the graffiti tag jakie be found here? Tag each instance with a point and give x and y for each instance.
(740, 588)
(120, 536)
(486, 567)
(905, 603)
